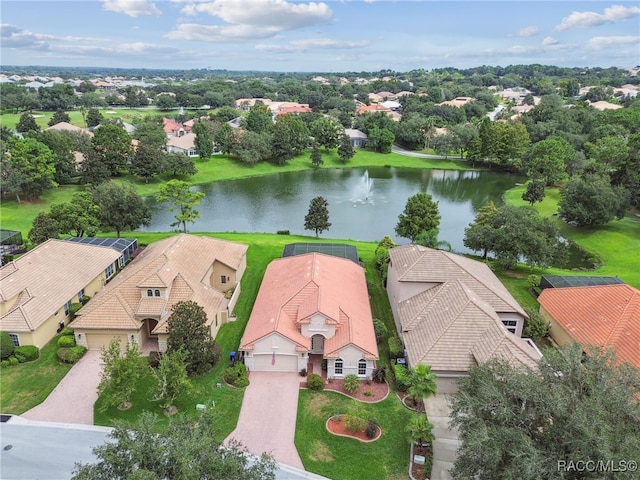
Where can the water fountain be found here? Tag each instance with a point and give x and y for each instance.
(364, 188)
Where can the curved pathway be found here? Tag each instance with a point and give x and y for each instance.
(73, 398)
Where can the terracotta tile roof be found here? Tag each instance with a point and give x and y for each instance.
(451, 328)
(415, 263)
(181, 264)
(603, 315)
(294, 288)
(68, 127)
(171, 126)
(45, 278)
(185, 142)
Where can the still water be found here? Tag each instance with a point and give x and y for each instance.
(281, 201)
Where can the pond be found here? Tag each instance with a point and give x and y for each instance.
(358, 210)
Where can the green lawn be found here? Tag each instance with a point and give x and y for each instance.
(345, 458)
(26, 385)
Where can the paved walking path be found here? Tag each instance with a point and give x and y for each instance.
(267, 420)
(72, 400)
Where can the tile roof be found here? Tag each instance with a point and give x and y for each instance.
(603, 315)
(452, 329)
(184, 142)
(68, 127)
(295, 288)
(180, 264)
(415, 263)
(47, 277)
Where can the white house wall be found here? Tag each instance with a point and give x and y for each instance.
(513, 316)
(350, 356)
(318, 326)
(275, 343)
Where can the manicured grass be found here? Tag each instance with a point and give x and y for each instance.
(339, 457)
(26, 385)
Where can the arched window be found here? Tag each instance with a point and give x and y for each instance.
(362, 367)
(157, 293)
(149, 293)
(337, 366)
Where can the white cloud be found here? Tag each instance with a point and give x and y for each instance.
(12, 36)
(279, 14)
(548, 41)
(597, 43)
(527, 31)
(313, 44)
(613, 14)
(219, 33)
(133, 8)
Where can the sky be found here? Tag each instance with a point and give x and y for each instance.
(318, 36)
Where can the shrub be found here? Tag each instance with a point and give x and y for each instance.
(27, 353)
(351, 383)
(315, 382)
(368, 393)
(66, 341)
(372, 429)
(73, 309)
(379, 374)
(533, 281)
(6, 346)
(380, 328)
(70, 354)
(283, 232)
(403, 379)
(354, 423)
(236, 375)
(13, 361)
(4, 363)
(85, 299)
(396, 349)
(68, 331)
(154, 359)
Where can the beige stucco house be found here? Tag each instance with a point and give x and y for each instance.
(136, 305)
(311, 307)
(38, 288)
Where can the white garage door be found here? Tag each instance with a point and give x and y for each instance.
(95, 341)
(281, 363)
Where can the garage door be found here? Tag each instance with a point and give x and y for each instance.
(282, 363)
(95, 341)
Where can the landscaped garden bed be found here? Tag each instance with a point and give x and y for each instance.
(337, 425)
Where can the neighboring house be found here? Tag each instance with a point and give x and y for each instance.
(173, 128)
(297, 109)
(10, 242)
(559, 281)
(68, 127)
(38, 288)
(601, 315)
(358, 138)
(137, 304)
(185, 143)
(310, 308)
(602, 105)
(126, 247)
(457, 102)
(361, 110)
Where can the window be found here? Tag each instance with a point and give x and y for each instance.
(512, 325)
(67, 307)
(15, 339)
(337, 366)
(149, 293)
(156, 292)
(81, 295)
(109, 271)
(223, 279)
(362, 367)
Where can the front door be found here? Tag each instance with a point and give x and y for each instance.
(317, 344)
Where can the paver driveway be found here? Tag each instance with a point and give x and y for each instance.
(72, 400)
(267, 420)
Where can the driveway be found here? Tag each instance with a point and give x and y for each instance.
(267, 420)
(72, 400)
(446, 441)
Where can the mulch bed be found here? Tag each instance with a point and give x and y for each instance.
(379, 391)
(418, 471)
(336, 426)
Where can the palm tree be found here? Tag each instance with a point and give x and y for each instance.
(420, 430)
(422, 383)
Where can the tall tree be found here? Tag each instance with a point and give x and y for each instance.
(532, 424)
(534, 191)
(420, 215)
(318, 216)
(28, 169)
(259, 119)
(62, 146)
(547, 160)
(27, 123)
(591, 200)
(184, 449)
(120, 207)
(147, 162)
(171, 380)
(93, 170)
(120, 374)
(189, 333)
(316, 156)
(422, 383)
(204, 143)
(326, 132)
(178, 164)
(77, 217)
(345, 149)
(183, 199)
(94, 118)
(290, 137)
(151, 133)
(58, 117)
(42, 229)
(381, 139)
(112, 144)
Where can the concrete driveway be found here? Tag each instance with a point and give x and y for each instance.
(72, 400)
(446, 441)
(267, 420)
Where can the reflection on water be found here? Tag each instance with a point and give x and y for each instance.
(280, 201)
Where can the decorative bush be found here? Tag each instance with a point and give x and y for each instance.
(236, 375)
(368, 393)
(67, 331)
(351, 383)
(372, 428)
(4, 363)
(354, 423)
(154, 359)
(67, 341)
(73, 309)
(379, 374)
(27, 353)
(85, 299)
(396, 349)
(283, 232)
(315, 382)
(70, 354)
(380, 328)
(403, 379)
(6, 346)
(13, 361)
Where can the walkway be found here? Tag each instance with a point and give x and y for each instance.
(446, 441)
(267, 420)
(409, 153)
(72, 400)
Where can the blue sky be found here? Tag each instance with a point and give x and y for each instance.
(329, 36)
